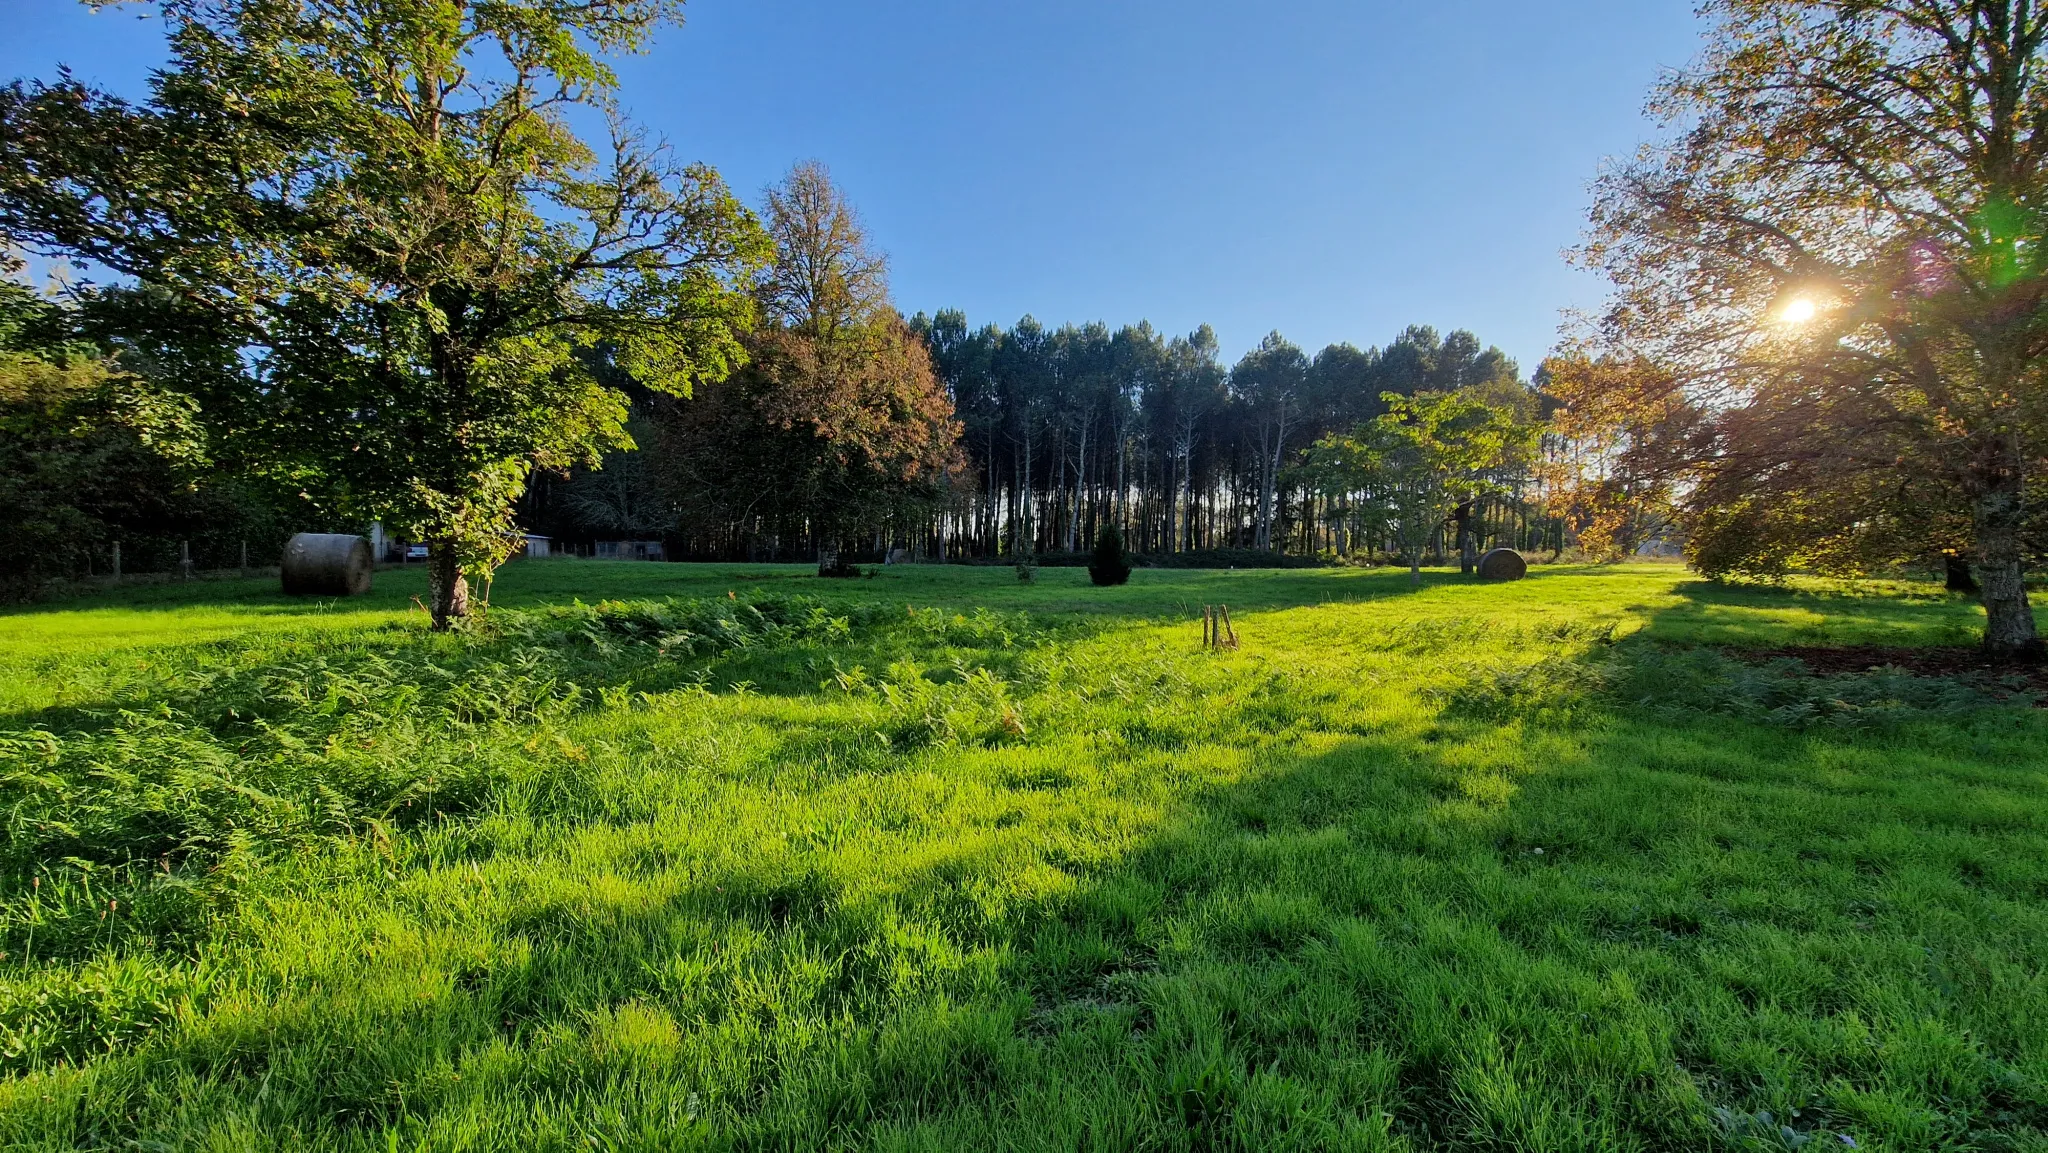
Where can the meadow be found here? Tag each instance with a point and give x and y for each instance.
(730, 857)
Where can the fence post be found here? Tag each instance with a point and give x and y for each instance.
(244, 567)
(185, 560)
(117, 562)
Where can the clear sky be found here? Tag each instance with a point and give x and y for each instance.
(1333, 169)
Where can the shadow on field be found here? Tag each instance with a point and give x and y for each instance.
(530, 584)
(1755, 615)
(1560, 921)
(1223, 986)
(1649, 938)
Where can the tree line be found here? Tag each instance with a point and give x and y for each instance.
(852, 432)
(1072, 428)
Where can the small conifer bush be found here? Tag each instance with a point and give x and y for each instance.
(1109, 567)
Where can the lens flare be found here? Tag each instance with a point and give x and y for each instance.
(1797, 310)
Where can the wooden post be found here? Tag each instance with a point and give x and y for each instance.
(245, 558)
(117, 562)
(185, 560)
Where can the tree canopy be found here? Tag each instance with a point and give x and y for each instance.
(1424, 458)
(383, 260)
(1836, 264)
(837, 424)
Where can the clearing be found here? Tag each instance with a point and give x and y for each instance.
(743, 859)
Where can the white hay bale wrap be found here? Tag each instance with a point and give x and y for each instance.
(326, 564)
(1503, 564)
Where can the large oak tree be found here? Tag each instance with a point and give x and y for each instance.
(1838, 261)
(370, 240)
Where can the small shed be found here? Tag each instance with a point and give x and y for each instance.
(537, 545)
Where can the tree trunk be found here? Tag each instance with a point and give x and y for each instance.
(448, 589)
(2009, 632)
(1462, 516)
(1172, 502)
(1264, 537)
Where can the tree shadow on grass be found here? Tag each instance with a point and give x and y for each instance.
(1641, 936)
(1600, 928)
(1715, 612)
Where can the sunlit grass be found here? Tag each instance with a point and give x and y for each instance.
(938, 860)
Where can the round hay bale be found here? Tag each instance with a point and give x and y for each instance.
(326, 565)
(1503, 564)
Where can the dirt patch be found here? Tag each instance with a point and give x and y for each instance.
(1952, 662)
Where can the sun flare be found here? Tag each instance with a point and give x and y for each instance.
(1797, 310)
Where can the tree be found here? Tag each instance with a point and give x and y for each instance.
(1622, 434)
(86, 448)
(826, 275)
(1023, 366)
(1271, 383)
(383, 214)
(1188, 389)
(1423, 458)
(838, 424)
(1840, 258)
(964, 364)
(624, 497)
(1069, 432)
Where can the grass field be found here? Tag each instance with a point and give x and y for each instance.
(742, 859)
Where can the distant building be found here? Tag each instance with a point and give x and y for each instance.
(537, 545)
(630, 550)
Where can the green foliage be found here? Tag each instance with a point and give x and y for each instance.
(1133, 411)
(399, 303)
(941, 860)
(1422, 458)
(1108, 566)
(91, 453)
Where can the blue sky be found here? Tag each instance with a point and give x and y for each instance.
(1333, 169)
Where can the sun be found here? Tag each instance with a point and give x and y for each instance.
(1798, 310)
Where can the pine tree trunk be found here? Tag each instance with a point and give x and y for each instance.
(448, 589)
(1172, 503)
(2009, 632)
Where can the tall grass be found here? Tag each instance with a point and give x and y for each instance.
(748, 860)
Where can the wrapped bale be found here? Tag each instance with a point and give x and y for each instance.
(326, 564)
(1503, 564)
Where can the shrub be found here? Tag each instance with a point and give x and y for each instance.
(834, 564)
(1109, 567)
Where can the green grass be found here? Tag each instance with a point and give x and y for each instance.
(742, 859)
